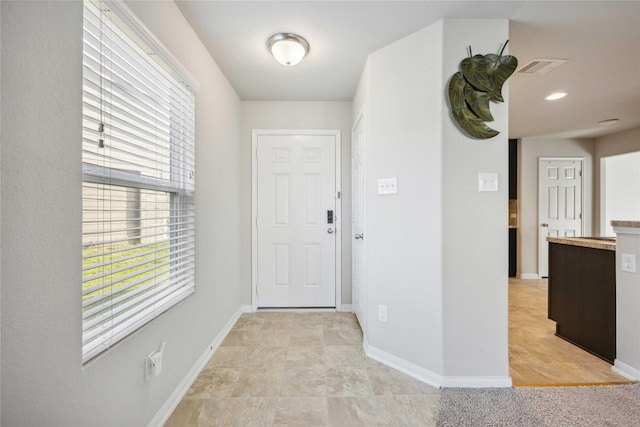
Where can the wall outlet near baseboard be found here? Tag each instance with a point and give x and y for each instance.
(628, 263)
(382, 313)
(153, 363)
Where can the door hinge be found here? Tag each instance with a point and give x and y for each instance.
(338, 194)
(256, 222)
(580, 216)
(580, 173)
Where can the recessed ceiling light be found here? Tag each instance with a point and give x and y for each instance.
(557, 95)
(608, 122)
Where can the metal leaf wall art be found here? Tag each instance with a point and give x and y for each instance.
(479, 81)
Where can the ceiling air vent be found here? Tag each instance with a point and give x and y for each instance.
(538, 67)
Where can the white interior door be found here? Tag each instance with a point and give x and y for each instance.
(296, 236)
(559, 204)
(358, 286)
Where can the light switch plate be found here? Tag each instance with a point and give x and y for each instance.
(487, 182)
(388, 186)
(628, 263)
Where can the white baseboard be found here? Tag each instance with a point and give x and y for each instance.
(431, 378)
(296, 310)
(415, 371)
(477, 382)
(170, 405)
(246, 308)
(529, 276)
(625, 370)
(346, 307)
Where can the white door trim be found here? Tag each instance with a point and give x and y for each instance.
(254, 207)
(603, 196)
(360, 120)
(538, 220)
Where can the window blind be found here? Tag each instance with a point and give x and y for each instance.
(138, 161)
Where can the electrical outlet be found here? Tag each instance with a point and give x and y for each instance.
(149, 367)
(628, 263)
(382, 313)
(153, 363)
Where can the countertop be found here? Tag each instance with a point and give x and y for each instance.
(630, 224)
(606, 243)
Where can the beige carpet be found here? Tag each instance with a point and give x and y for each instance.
(600, 406)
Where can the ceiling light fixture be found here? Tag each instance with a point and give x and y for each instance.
(288, 49)
(608, 122)
(557, 95)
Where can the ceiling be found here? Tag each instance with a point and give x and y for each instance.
(601, 40)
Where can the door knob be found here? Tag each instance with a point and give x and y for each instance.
(544, 225)
(330, 230)
(359, 236)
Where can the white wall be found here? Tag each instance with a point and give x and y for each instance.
(0, 212)
(44, 382)
(620, 189)
(297, 116)
(627, 141)
(403, 238)
(436, 253)
(529, 150)
(627, 308)
(362, 97)
(475, 238)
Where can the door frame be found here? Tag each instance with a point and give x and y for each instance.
(361, 120)
(254, 207)
(538, 220)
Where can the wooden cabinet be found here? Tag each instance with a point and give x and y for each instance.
(513, 250)
(513, 169)
(582, 297)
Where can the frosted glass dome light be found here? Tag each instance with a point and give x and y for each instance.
(288, 49)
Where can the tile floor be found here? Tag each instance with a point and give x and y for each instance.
(301, 369)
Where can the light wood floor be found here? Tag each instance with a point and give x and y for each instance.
(536, 355)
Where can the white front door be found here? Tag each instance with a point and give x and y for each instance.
(358, 287)
(559, 203)
(296, 220)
